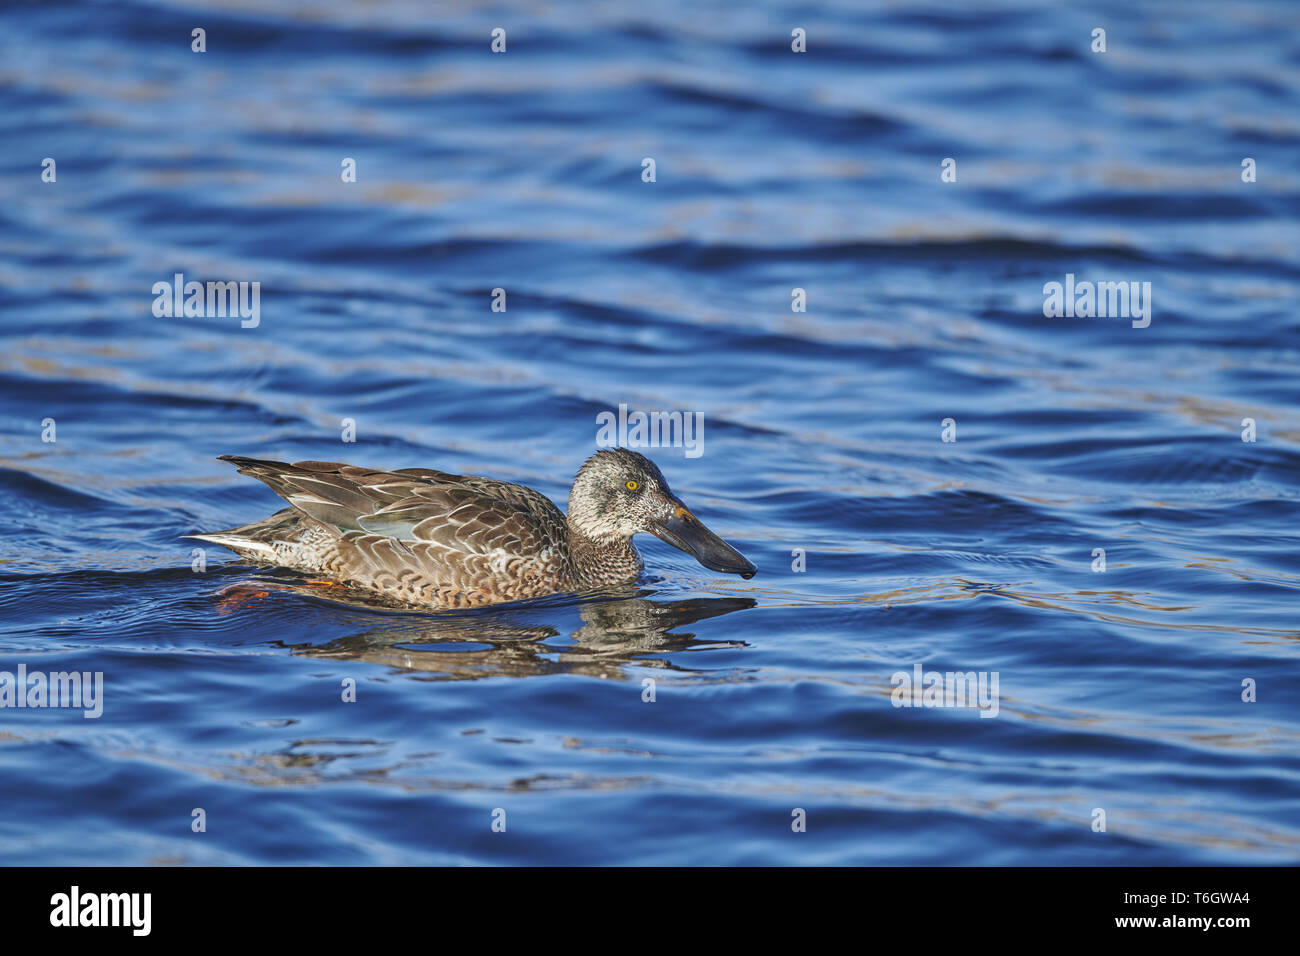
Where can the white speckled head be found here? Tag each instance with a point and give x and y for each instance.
(618, 493)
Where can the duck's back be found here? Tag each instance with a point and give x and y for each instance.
(419, 535)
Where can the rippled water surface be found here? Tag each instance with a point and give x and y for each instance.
(1118, 690)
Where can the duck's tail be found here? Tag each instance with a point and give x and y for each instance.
(256, 541)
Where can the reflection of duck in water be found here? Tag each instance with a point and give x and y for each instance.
(613, 633)
(428, 538)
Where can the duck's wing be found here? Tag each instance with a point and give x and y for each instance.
(409, 502)
(452, 531)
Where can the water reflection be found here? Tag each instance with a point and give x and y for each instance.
(613, 633)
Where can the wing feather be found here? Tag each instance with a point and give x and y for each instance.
(451, 530)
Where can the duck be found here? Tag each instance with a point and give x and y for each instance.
(427, 538)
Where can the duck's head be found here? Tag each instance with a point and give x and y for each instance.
(619, 493)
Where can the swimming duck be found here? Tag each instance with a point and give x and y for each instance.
(429, 538)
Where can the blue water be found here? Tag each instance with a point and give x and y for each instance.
(1119, 690)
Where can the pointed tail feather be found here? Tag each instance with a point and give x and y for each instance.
(257, 540)
(242, 546)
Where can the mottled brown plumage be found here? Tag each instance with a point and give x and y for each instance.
(433, 539)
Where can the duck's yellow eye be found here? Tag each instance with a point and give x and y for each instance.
(631, 486)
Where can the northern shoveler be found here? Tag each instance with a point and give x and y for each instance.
(428, 538)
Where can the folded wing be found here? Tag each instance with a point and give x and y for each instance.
(427, 533)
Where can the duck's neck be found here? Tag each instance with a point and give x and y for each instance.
(602, 563)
